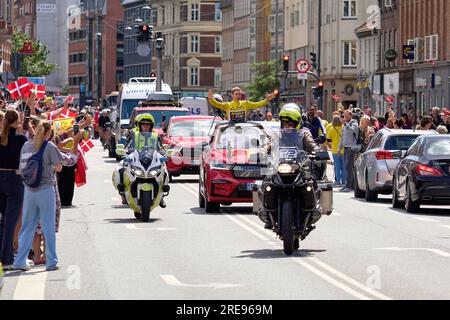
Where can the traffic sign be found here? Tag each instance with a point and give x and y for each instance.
(37, 80)
(27, 48)
(303, 65)
(302, 76)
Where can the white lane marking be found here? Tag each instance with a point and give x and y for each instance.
(244, 226)
(445, 226)
(425, 219)
(115, 199)
(134, 227)
(171, 280)
(195, 193)
(331, 280)
(435, 251)
(31, 285)
(349, 280)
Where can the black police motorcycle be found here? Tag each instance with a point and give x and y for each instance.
(294, 194)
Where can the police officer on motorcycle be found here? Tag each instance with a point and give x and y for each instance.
(137, 141)
(291, 118)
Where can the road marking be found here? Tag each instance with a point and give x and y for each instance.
(436, 251)
(195, 193)
(171, 280)
(134, 227)
(115, 199)
(445, 226)
(31, 285)
(349, 280)
(106, 181)
(244, 226)
(425, 219)
(331, 280)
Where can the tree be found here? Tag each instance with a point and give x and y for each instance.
(266, 80)
(33, 65)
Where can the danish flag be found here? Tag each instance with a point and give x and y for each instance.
(38, 90)
(69, 99)
(66, 113)
(19, 88)
(86, 145)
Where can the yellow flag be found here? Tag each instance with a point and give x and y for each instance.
(62, 125)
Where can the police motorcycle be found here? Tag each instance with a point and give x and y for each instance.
(144, 177)
(295, 192)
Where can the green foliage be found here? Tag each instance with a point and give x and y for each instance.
(266, 80)
(65, 90)
(34, 65)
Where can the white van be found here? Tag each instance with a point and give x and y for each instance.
(196, 105)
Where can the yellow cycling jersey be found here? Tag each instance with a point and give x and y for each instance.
(236, 110)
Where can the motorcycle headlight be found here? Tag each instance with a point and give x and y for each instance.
(286, 168)
(155, 171)
(138, 171)
(220, 165)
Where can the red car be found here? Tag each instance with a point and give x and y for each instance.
(231, 163)
(184, 141)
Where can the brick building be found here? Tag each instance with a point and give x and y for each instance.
(6, 30)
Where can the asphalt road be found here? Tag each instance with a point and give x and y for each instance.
(362, 251)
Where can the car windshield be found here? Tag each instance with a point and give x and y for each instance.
(400, 142)
(241, 136)
(127, 107)
(438, 147)
(191, 128)
(158, 115)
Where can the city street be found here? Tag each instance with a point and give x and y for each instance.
(362, 251)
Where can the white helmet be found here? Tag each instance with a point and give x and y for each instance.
(218, 98)
(291, 106)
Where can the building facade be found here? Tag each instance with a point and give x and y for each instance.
(192, 61)
(143, 63)
(6, 30)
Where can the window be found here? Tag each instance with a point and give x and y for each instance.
(297, 15)
(120, 55)
(217, 12)
(218, 44)
(431, 48)
(193, 76)
(195, 12)
(252, 25)
(217, 77)
(349, 9)
(194, 44)
(271, 23)
(349, 54)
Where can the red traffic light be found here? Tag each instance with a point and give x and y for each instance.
(153, 74)
(144, 27)
(320, 84)
(286, 58)
(276, 92)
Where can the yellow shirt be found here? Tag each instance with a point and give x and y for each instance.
(334, 134)
(237, 109)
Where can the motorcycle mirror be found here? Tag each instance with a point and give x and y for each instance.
(323, 155)
(163, 159)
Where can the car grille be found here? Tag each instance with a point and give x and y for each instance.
(248, 171)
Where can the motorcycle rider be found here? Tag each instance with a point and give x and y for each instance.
(291, 118)
(144, 123)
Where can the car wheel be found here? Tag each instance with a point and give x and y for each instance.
(371, 196)
(170, 178)
(410, 205)
(397, 204)
(212, 207)
(359, 194)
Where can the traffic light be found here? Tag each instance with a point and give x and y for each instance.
(144, 33)
(152, 74)
(313, 59)
(286, 63)
(318, 91)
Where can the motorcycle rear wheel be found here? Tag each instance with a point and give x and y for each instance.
(287, 228)
(146, 204)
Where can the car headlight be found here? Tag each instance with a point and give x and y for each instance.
(286, 168)
(137, 171)
(220, 165)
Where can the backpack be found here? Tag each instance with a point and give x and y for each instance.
(32, 173)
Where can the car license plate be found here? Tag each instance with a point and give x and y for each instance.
(195, 162)
(246, 186)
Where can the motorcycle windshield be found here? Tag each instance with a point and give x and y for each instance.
(289, 146)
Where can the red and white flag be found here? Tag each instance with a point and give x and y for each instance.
(86, 145)
(19, 88)
(66, 113)
(69, 99)
(38, 90)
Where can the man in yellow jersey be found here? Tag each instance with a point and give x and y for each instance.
(236, 110)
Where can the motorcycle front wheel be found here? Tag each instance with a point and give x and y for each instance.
(287, 227)
(146, 204)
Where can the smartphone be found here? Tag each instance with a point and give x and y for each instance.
(76, 128)
(26, 123)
